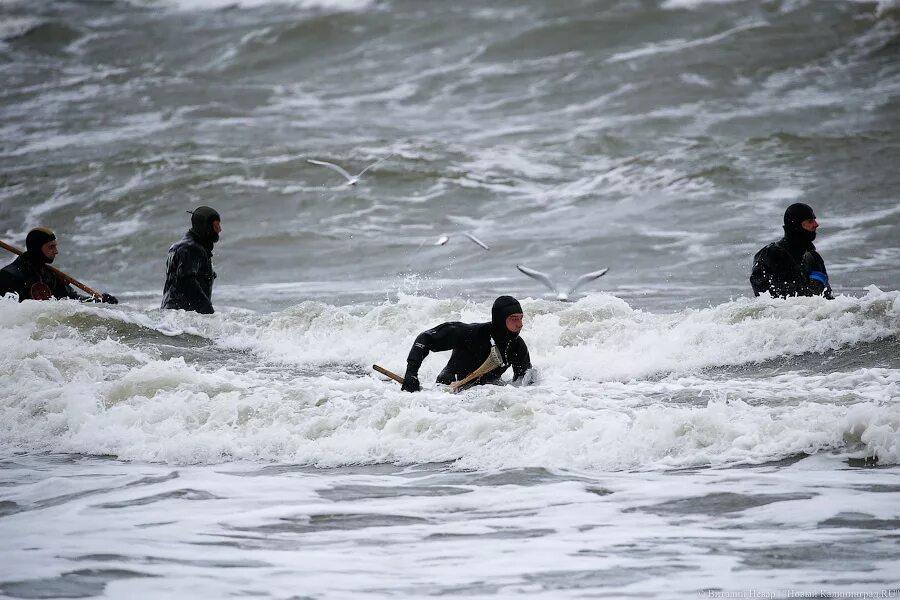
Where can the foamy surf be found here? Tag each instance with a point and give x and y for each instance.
(620, 389)
(684, 441)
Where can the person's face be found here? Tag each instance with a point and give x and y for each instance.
(217, 226)
(809, 225)
(514, 322)
(50, 250)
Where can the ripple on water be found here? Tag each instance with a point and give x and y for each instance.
(718, 503)
(184, 494)
(83, 583)
(347, 493)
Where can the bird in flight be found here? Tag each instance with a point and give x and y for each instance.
(441, 241)
(351, 180)
(560, 295)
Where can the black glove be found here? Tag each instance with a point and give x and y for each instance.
(109, 299)
(411, 380)
(818, 279)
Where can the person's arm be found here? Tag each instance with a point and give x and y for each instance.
(520, 361)
(104, 298)
(67, 291)
(759, 273)
(814, 267)
(186, 275)
(59, 287)
(445, 336)
(9, 283)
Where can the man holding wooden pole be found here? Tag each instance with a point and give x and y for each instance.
(473, 345)
(32, 278)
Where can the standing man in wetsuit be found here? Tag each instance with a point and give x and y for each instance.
(791, 266)
(189, 269)
(30, 278)
(471, 344)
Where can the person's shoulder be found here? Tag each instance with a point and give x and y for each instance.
(773, 248)
(442, 326)
(448, 324)
(469, 329)
(10, 268)
(15, 268)
(458, 324)
(187, 245)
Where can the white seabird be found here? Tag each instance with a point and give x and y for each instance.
(442, 241)
(563, 296)
(351, 180)
(477, 241)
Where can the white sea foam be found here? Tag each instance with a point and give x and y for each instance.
(13, 27)
(91, 226)
(191, 5)
(129, 127)
(881, 6)
(692, 4)
(679, 44)
(887, 258)
(237, 180)
(621, 388)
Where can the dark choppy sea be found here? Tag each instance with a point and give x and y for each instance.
(685, 440)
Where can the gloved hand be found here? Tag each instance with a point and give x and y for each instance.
(109, 299)
(411, 380)
(813, 265)
(531, 377)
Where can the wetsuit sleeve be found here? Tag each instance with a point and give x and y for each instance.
(760, 276)
(186, 272)
(10, 283)
(814, 268)
(445, 336)
(520, 360)
(61, 288)
(70, 293)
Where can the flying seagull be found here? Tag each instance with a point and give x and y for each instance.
(337, 169)
(563, 296)
(441, 241)
(477, 241)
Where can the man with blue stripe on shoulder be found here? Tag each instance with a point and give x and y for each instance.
(791, 266)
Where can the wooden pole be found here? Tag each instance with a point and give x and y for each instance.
(390, 374)
(57, 272)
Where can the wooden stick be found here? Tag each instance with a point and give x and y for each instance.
(390, 374)
(493, 361)
(57, 272)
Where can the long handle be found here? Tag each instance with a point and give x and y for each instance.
(59, 273)
(493, 361)
(390, 374)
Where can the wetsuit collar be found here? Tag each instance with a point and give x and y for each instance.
(207, 244)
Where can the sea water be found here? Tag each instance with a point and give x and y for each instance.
(684, 439)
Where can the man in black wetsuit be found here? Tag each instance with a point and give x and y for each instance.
(791, 266)
(189, 269)
(471, 344)
(30, 278)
